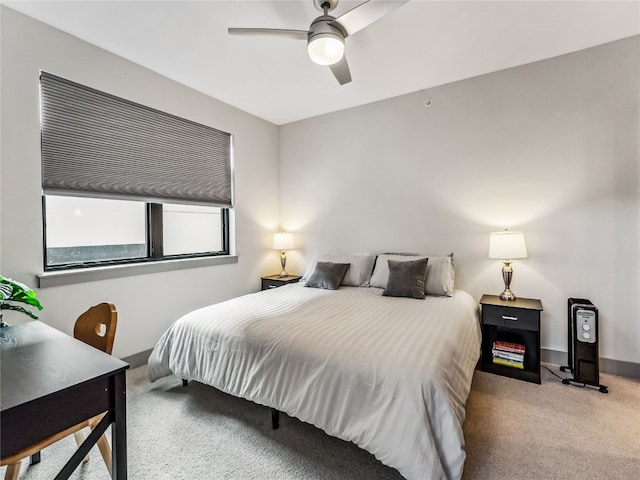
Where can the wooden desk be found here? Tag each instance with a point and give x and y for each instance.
(50, 382)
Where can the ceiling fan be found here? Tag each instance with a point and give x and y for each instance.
(326, 34)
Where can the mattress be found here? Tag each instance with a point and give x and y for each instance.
(390, 374)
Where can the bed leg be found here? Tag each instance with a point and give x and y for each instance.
(185, 382)
(275, 418)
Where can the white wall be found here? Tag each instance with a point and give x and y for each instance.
(549, 148)
(147, 304)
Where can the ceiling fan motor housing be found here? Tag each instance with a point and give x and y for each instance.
(327, 37)
(326, 25)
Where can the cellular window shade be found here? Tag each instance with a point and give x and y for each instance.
(96, 144)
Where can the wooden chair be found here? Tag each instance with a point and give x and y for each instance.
(95, 327)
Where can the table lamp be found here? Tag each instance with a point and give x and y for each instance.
(507, 246)
(283, 241)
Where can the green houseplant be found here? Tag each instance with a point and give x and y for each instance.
(13, 293)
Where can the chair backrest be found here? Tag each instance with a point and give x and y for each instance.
(97, 326)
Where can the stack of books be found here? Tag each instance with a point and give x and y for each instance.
(509, 354)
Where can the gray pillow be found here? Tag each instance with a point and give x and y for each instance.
(358, 273)
(440, 272)
(406, 279)
(327, 275)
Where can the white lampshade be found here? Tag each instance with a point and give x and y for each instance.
(507, 245)
(326, 49)
(282, 241)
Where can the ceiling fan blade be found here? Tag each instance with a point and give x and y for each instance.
(341, 71)
(271, 32)
(366, 13)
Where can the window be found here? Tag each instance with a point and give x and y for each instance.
(202, 225)
(125, 183)
(85, 232)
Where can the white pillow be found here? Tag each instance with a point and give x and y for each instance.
(358, 273)
(440, 272)
(441, 275)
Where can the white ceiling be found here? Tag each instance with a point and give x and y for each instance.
(420, 45)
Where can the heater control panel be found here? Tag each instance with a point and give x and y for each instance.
(586, 330)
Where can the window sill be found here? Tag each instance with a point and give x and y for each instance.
(81, 275)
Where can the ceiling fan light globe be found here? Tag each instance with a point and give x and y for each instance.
(326, 49)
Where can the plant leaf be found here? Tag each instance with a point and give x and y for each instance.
(11, 290)
(17, 308)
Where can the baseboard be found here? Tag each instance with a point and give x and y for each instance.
(138, 359)
(607, 365)
(555, 357)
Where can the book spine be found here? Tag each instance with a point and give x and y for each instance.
(510, 346)
(508, 349)
(508, 363)
(508, 356)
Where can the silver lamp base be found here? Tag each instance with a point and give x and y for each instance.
(507, 275)
(507, 295)
(283, 262)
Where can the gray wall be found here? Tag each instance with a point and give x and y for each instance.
(550, 148)
(147, 304)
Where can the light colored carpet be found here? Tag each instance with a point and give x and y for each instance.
(514, 430)
(521, 430)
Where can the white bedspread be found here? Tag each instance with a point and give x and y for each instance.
(391, 375)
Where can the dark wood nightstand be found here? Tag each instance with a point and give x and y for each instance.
(516, 322)
(275, 281)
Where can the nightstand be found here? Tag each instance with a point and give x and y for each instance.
(275, 281)
(517, 323)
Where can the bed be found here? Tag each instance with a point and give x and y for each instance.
(390, 374)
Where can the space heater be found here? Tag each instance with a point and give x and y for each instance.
(582, 348)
